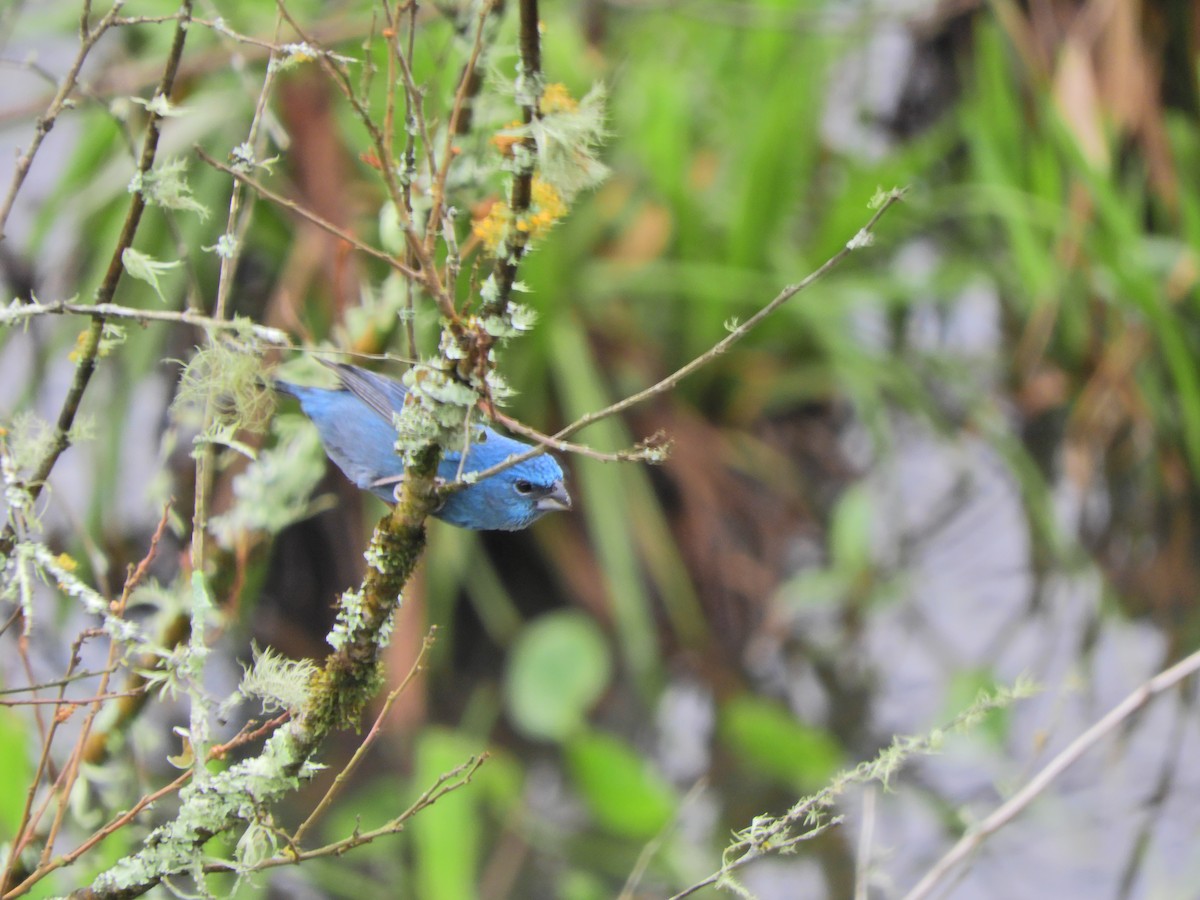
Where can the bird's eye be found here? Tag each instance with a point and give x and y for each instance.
(522, 486)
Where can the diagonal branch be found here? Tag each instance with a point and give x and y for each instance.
(1007, 811)
(324, 224)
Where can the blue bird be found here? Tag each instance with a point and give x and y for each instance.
(356, 426)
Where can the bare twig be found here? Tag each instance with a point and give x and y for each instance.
(68, 702)
(71, 771)
(238, 221)
(860, 240)
(58, 682)
(756, 851)
(654, 449)
(88, 36)
(120, 821)
(655, 844)
(28, 824)
(438, 190)
(458, 777)
(324, 224)
(426, 267)
(866, 838)
(115, 825)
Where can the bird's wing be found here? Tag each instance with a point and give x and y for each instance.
(383, 395)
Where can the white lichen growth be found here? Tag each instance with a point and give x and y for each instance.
(146, 268)
(166, 186)
(281, 684)
(230, 383)
(160, 105)
(350, 619)
(436, 412)
(276, 489)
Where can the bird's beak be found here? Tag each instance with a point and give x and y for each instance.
(557, 499)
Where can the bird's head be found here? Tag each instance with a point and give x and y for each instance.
(512, 499)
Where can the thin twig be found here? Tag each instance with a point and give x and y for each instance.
(458, 777)
(1069, 755)
(652, 450)
(88, 36)
(68, 701)
(116, 824)
(426, 267)
(217, 752)
(238, 222)
(860, 240)
(779, 835)
(438, 191)
(27, 827)
(655, 844)
(57, 682)
(756, 851)
(529, 86)
(115, 650)
(866, 838)
(25, 311)
(325, 224)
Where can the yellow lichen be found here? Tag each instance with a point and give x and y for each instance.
(557, 99)
(547, 208)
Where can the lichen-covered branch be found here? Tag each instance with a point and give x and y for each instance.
(21, 312)
(529, 93)
(337, 694)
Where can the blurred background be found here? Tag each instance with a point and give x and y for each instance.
(969, 454)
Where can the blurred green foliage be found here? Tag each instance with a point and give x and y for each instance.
(724, 189)
(557, 670)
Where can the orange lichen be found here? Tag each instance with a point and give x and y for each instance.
(492, 228)
(505, 141)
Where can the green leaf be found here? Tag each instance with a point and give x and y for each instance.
(850, 530)
(766, 737)
(622, 792)
(559, 667)
(447, 837)
(17, 771)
